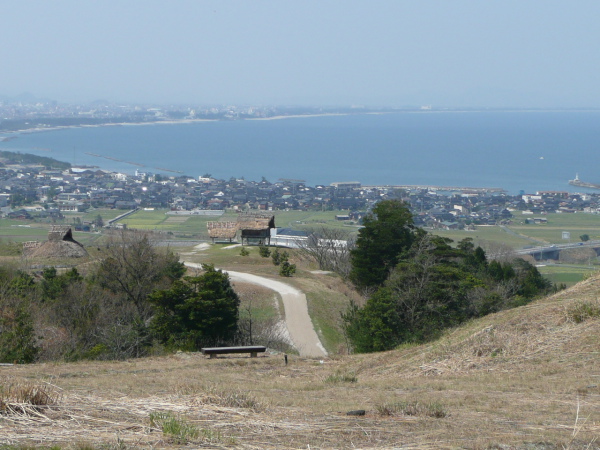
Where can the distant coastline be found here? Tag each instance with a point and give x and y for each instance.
(168, 122)
(38, 129)
(116, 124)
(513, 151)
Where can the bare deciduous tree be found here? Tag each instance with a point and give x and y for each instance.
(134, 266)
(330, 248)
(256, 330)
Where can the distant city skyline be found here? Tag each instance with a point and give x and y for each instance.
(391, 53)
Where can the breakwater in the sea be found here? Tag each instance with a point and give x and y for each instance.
(110, 158)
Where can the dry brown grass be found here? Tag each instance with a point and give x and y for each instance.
(525, 378)
(23, 401)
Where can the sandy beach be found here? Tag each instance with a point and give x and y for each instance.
(172, 122)
(119, 124)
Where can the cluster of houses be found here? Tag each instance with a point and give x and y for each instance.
(36, 190)
(28, 191)
(467, 209)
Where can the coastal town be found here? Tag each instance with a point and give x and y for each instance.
(28, 113)
(36, 190)
(44, 188)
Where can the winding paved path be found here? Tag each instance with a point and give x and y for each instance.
(297, 320)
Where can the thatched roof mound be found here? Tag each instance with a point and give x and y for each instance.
(60, 244)
(59, 249)
(222, 230)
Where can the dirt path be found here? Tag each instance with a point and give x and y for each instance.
(297, 320)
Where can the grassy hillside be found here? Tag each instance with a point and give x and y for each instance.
(524, 378)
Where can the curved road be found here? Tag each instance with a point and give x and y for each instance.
(297, 320)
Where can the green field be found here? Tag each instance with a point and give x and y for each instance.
(485, 233)
(567, 275)
(22, 230)
(551, 232)
(91, 214)
(27, 230)
(195, 226)
(181, 226)
(106, 214)
(517, 235)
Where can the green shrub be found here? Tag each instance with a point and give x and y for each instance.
(279, 257)
(287, 269)
(244, 251)
(580, 311)
(263, 251)
(98, 351)
(177, 429)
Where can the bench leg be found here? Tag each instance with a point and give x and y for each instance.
(253, 355)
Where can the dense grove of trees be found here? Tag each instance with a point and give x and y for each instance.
(387, 232)
(133, 302)
(196, 311)
(418, 284)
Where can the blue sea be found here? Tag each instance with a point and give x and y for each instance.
(516, 151)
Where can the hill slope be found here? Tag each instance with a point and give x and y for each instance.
(524, 378)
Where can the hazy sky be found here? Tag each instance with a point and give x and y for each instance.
(542, 53)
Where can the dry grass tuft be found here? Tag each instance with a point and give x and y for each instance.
(413, 408)
(210, 395)
(177, 429)
(231, 399)
(26, 398)
(342, 377)
(580, 311)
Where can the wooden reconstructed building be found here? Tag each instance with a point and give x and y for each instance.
(222, 231)
(255, 229)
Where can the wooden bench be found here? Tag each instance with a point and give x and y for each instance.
(252, 349)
